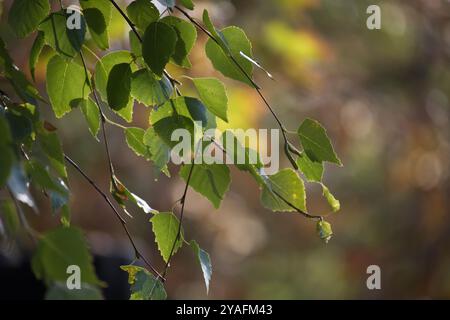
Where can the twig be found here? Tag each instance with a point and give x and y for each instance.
(117, 214)
(289, 147)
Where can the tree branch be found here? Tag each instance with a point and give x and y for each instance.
(122, 221)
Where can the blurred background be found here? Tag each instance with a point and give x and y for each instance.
(384, 97)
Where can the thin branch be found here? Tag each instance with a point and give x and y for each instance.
(290, 204)
(117, 214)
(289, 147)
(102, 116)
(183, 202)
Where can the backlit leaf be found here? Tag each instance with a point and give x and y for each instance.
(212, 181)
(158, 46)
(25, 15)
(165, 226)
(144, 286)
(287, 184)
(316, 143)
(66, 85)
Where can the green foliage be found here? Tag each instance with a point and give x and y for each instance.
(57, 250)
(66, 85)
(9, 220)
(92, 115)
(148, 90)
(158, 46)
(67, 42)
(135, 140)
(121, 194)
(6, 160)
(316, 143)
(25, 15)
(312, 170)
(142, 13)
(205, 262)
(36, 49)
(212, 181)
(213, 94)
(235, 41)
(103, 70)
(186, 37)
(288, 184)
(32, 156)
(324, 230)
(119, 86)
(98, 17)
(165, 226)
(144, 286)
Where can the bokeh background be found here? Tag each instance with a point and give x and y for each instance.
(384, 97)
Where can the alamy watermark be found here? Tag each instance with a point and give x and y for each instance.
(374, 20)
(73, 281)
(374, 280)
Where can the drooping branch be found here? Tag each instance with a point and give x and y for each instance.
(122, 221)
(289, 148)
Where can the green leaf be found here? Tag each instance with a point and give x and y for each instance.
(316, 143)
(158, 46)
(165, 226)
(104, 66)
(142, 13)
(20, 124)
(92, 115)
(9, 220)
(205, 262)
(18, 184)
(324, 230)
(332, 201)
(41, 177)
(313, 171)
(285, 183)
(214, 32)
(59, 291)
(135, 46)
(60, 202)
(51, 146)
(67, 42)
(212, 181)
(119, 87)
(135, 140)
(213, 94)
(187, 35)
(98, 17)
(188, 107)
(159, 150)
(149, 91)
(165, 128)
(121, 194)
(36, 50)
(25, 15)
(21, 85)
(187, 4)
(144, 286)
(57, 250)
(66, 85)
(6, 153)
(6, 163)
(102, 71)
(236, 42)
